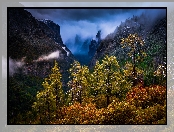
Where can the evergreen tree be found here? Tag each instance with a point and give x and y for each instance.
(135, 44)
(97, 79)
(79, 83)
(115, 82)
(51, 98)
(109, 80)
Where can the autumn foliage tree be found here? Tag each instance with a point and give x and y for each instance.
(102, 96)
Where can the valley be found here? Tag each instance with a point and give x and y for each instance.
(94, 79)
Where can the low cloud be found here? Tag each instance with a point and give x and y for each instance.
(53, 55)
(15, 65)
(87, 22)
(84, 22)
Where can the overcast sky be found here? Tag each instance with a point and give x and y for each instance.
(87, 22)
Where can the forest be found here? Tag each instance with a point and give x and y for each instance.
(129, 91)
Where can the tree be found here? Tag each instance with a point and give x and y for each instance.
(114, 81)
(135, 44)
(109, 80)
(97, 79)
(14, 101)
(157, 59)
(51, 98)
(79, 83)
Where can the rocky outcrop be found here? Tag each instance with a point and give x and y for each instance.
(92, 48)
(94, 45)
(55, 28)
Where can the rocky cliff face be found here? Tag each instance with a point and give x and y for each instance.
(37, 43)
(92, 48)
(55, 28)
(94, 45)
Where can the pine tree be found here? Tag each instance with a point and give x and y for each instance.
(97, 79)
(115, 82)
(135, 44)
(79, 82)
(109, 80)
(51, 98)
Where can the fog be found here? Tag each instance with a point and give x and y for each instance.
(87, 22)
(14, 65)
(53, 55)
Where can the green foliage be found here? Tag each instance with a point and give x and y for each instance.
(160, 74)
(103, 96)
(21, 95)
(152, 72)
(118, 113)
(51, 98)
(148, 61)
(136, 52)
(79, 83)
(135, 43)
(97, 79)
(108, 78)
